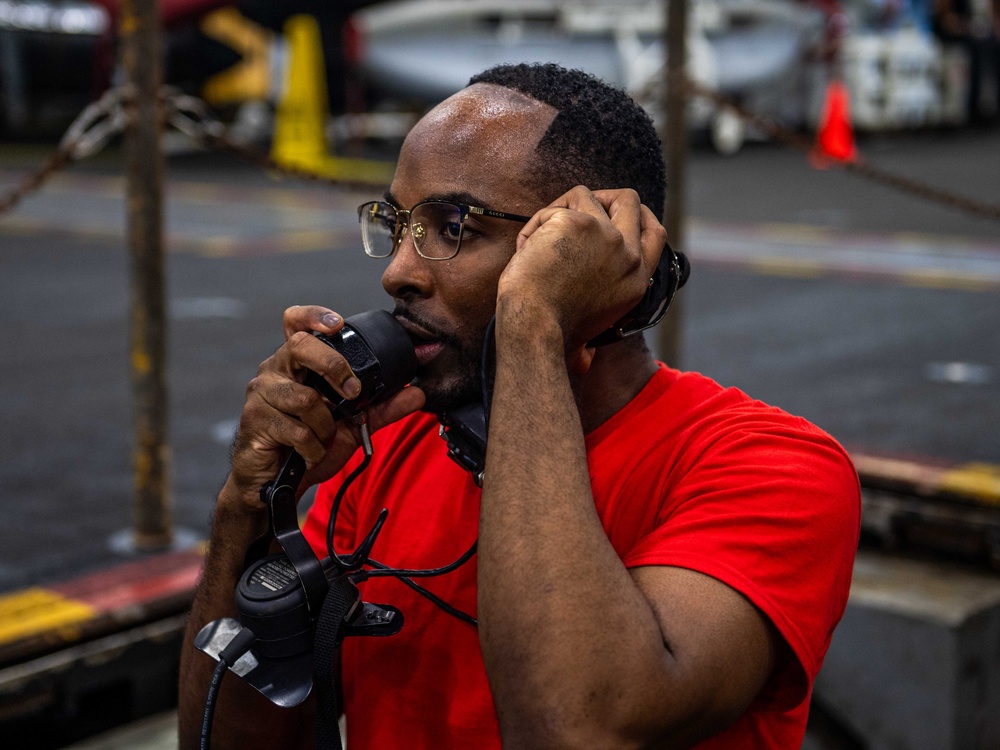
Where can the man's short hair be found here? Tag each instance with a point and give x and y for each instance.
(600, 137)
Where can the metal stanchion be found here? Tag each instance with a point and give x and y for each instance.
(144, 169)
(675, 145)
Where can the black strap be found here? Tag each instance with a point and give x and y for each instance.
(341, 597)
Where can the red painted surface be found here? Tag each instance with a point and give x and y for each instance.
(136, 583)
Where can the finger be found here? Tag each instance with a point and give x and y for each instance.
(298, 401)
(579, 198)
(631, 219)
(315, 414)
(653, 238)
(404, 403)
(622, 206)
(264, 428)
(580, 361)
(305, 350)
(534, 224)
(311, 318)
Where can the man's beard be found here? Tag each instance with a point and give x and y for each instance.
(464, 382)
(464, 389)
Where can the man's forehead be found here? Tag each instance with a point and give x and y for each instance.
(484, 114)
(490, 102)
(482, 140)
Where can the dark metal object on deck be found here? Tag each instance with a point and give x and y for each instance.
(144, 168)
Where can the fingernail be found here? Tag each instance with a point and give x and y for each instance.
(330, 320)
(352, 387)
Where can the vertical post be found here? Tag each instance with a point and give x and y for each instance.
(675, 146)
(144, 168)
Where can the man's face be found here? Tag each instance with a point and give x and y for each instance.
(476, 148)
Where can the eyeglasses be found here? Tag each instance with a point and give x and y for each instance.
(435, 226)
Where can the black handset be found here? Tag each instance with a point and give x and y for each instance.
(464, 430)
(381, 355)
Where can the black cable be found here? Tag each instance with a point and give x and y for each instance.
(403, 574)
(335, 509)
(213, 691)
(385, 571)
(485, 371)
(449, 609)
(240, 644)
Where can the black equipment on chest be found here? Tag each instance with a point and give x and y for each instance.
(295, 610)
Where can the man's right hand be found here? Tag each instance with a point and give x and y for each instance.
(281, 412)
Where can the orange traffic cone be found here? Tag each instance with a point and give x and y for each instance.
(835, 137)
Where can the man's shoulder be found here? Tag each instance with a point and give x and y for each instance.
(674, 401)
(682, 419)
(699, 400)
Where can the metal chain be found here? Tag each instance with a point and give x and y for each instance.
(795, 140)
(193, 117)
(105, 118)
(97, 124)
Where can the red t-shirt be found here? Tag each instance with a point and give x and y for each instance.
(688, 474)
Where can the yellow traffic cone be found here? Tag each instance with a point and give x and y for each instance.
(299, 128)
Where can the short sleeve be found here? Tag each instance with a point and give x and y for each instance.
(773, 511)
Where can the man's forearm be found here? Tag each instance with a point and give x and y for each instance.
(554, 599)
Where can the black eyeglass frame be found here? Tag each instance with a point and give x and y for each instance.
(464, 209)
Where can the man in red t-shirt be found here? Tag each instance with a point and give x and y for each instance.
(661, 561)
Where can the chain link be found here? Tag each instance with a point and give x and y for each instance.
(191, 116)
(96, 125)
(90, 132)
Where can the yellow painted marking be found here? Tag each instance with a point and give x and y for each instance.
(977, 480)
(946, 280)
(216, 247)
(15, 225)
(800, 232)
(250, 78)
(784, 267)
(141, 363)
(312, 240)
(28, 226)
(34, 611)
(934, 240)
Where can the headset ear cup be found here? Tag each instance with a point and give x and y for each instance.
(643, 313)
(665, 281)
(669, 275)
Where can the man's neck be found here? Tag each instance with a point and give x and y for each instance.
(617, 374)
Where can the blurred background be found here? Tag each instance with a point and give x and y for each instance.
(840, 207)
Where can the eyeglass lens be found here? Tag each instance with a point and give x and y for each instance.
(436, 229)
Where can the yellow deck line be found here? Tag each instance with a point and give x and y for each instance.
(976, 480)
(35, 610)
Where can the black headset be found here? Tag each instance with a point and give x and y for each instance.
(670, 275)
